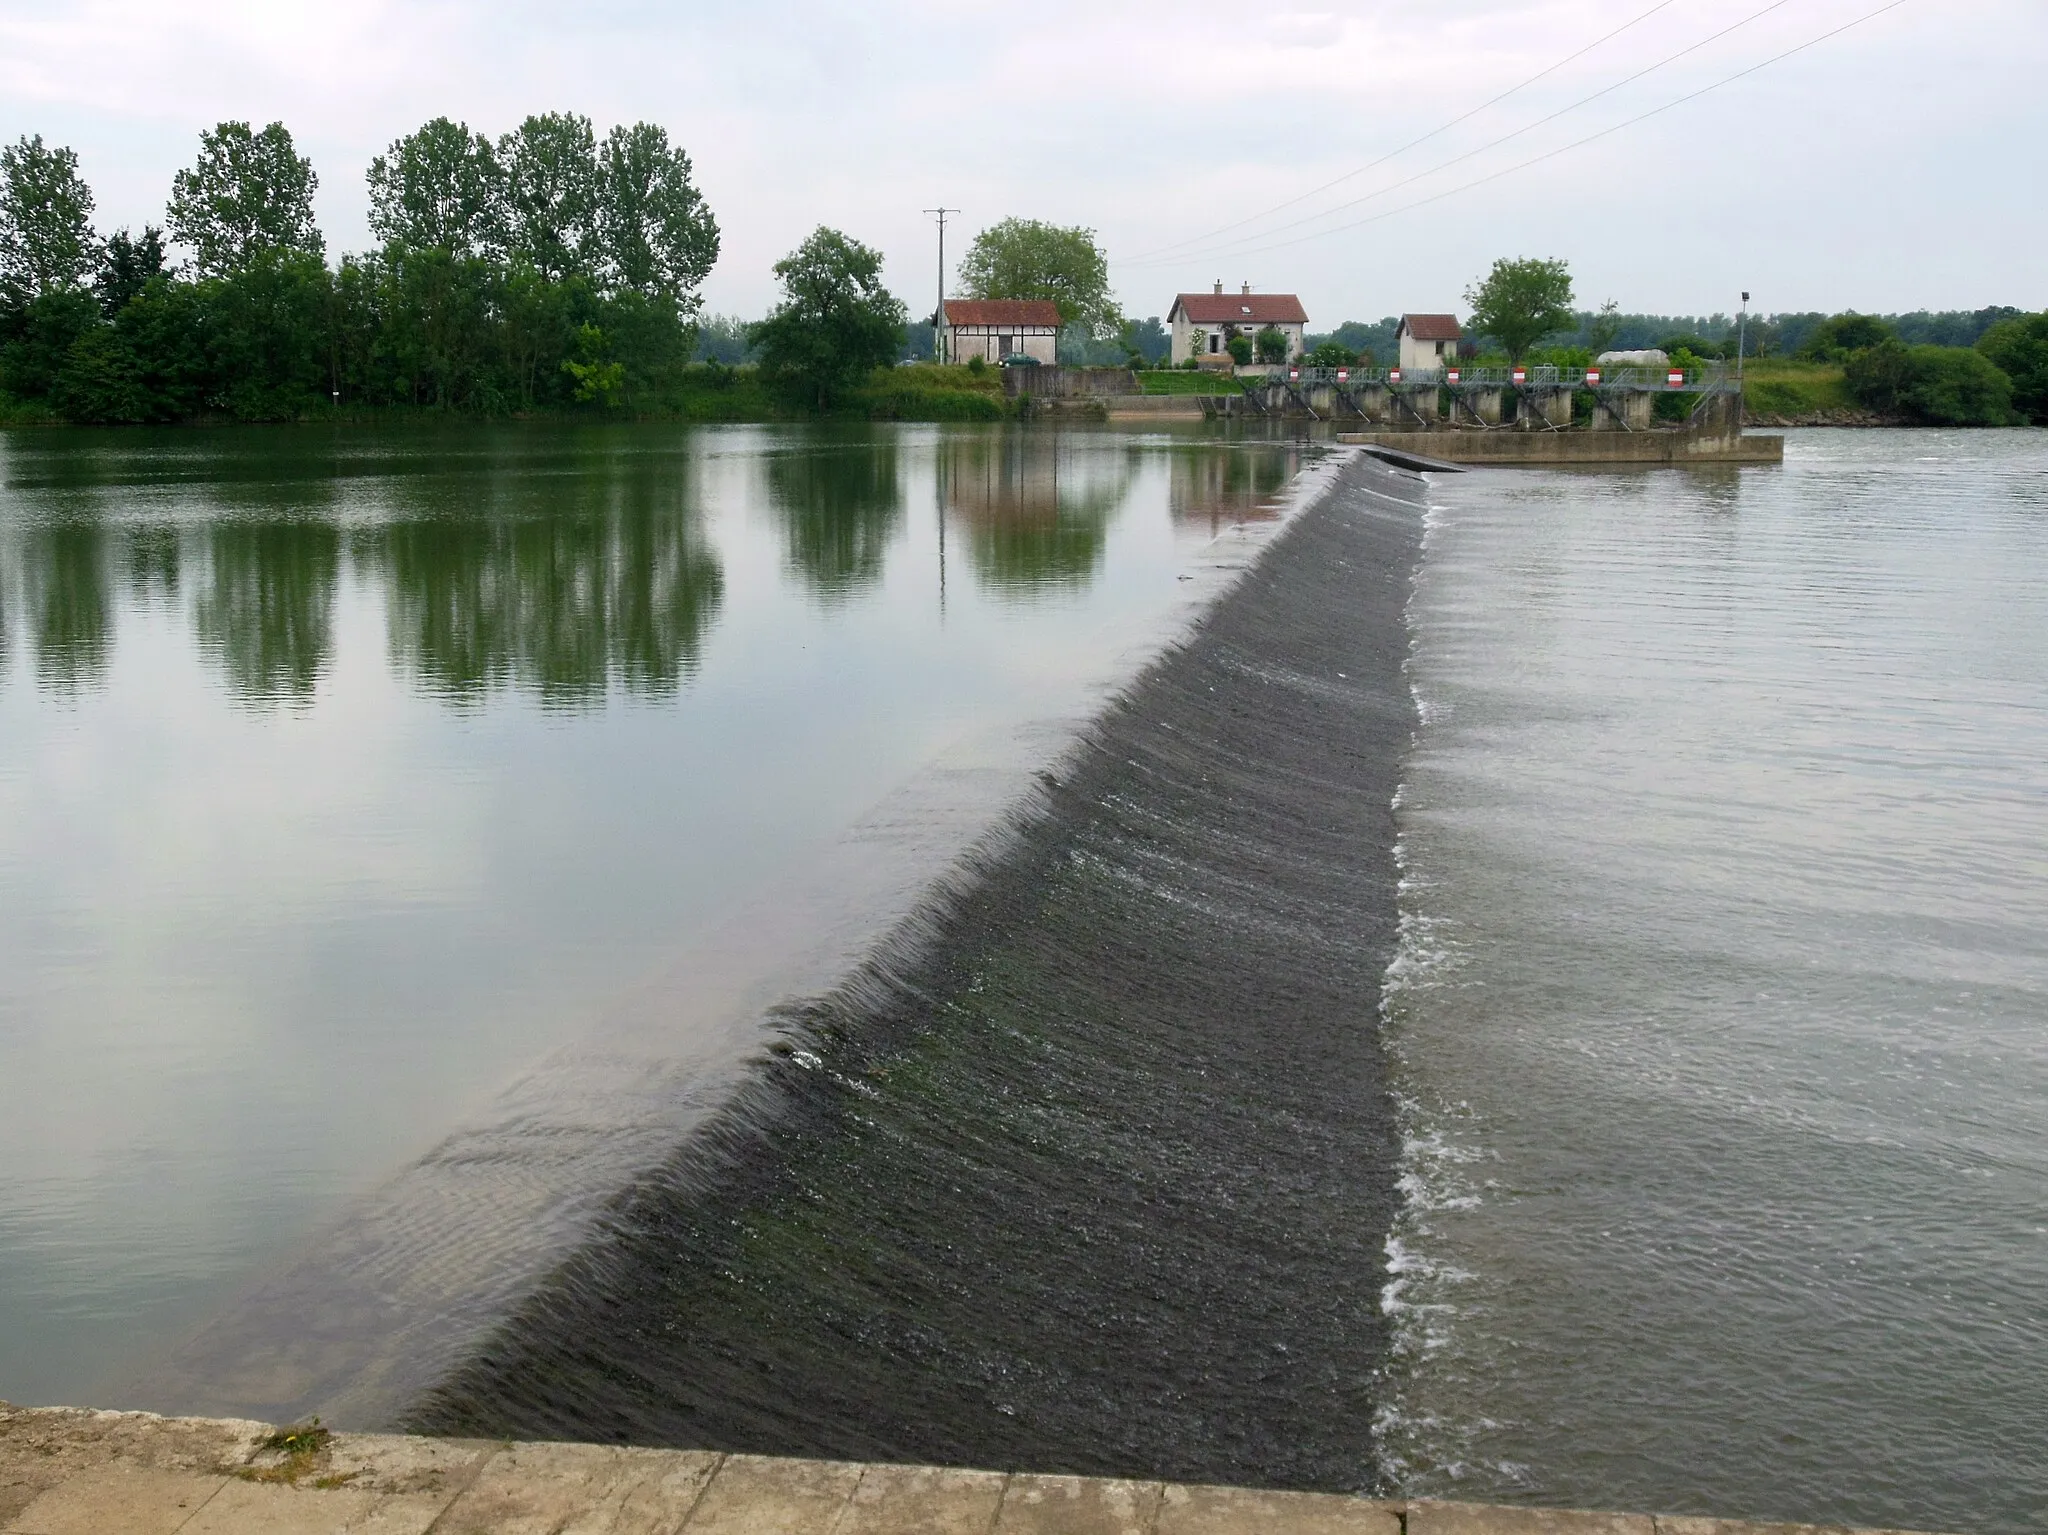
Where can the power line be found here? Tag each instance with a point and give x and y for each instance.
(1396, 153)
(1423, 202)
(1608, 90)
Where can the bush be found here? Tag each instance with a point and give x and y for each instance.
(977, 365)
(1842, 336)
(1935, 385)
(2019, 349)
(1240, 349)
(1271, 344)
(1330, 354)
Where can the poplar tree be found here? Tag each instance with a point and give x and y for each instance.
(47, 243)
(657, 235)
(551, 193)
(248, 195)
(440, 188)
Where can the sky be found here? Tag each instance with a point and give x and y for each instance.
(1897, 165)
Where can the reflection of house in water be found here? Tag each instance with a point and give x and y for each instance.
(1037, 513)
(1235, 485)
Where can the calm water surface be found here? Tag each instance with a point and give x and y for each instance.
(1723, 1010)
(344, 775)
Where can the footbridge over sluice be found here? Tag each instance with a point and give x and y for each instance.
(1535, 415)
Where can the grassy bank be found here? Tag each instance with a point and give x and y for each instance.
(1781, 387)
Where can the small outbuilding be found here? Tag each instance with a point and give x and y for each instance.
(996, 328)
(1428, 342)
(1203, 323)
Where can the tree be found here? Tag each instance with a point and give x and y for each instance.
(1271, 344)
(551, 193)
(1026, 259)
(1938, 385)
(657, 235)
(1331, 354)
(1240, 349)
(1842, 336)
(127, 266)
(440, 188)
(1521, 302)
(46, 239)
(836, 323)
(1606, 326)
(249, 195)
(2019, 348)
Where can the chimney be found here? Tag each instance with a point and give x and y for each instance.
(1219, 287)
(1247, 290)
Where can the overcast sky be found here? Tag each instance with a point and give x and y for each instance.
(1900, 165)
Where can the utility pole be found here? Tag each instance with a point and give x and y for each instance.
(1741, 340)
(939, 314)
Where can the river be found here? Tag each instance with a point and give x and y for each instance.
(1721, 1019)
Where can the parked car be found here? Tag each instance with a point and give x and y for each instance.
(1020, 360)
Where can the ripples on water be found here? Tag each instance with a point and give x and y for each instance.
(1721, 1015)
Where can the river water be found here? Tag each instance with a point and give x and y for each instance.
(344, 776)
(1721, 1019)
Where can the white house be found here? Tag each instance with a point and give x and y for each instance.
(1428, 342)
(995, 328)
(1203, 323)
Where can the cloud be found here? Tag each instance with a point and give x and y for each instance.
(1153, 123)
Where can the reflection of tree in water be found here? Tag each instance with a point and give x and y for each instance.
(840, 505)
(617, 585)
(154, 564)
(1220, 484)
(266, 609)
(66, 604)
(1037, 512)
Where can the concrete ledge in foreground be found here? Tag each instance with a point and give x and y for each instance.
(66, 1471)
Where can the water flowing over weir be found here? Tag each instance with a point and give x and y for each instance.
(1090, 1168)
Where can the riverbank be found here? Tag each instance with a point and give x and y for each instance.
(64, 1471)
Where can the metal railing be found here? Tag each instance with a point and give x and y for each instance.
(1708, 378)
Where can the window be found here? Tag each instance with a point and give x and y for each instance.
(1215, 341)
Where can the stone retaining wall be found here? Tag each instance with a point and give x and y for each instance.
(67, 1471)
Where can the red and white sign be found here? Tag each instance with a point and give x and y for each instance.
(1393, 375)
(1592, 375)
(1675, 378)
(1452, 375)
(1343, 375)
(1521, 375)
(1294, 373)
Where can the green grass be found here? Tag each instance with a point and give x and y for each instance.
(1782, 387)
(1178, 382)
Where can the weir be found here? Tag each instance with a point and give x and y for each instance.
(1090, 1168)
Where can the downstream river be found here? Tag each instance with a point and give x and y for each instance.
(346, 775)
(1722, 1014)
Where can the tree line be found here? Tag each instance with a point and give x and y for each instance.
(544, 268)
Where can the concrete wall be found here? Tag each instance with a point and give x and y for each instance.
(1545, 449)
(70, 1472)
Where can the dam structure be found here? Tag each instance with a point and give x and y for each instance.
(1089, 1167)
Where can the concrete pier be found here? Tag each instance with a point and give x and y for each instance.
(66, 1471)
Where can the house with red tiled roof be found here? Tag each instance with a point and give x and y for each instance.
(1203, 323)
(1428, 342)
(995, 328)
